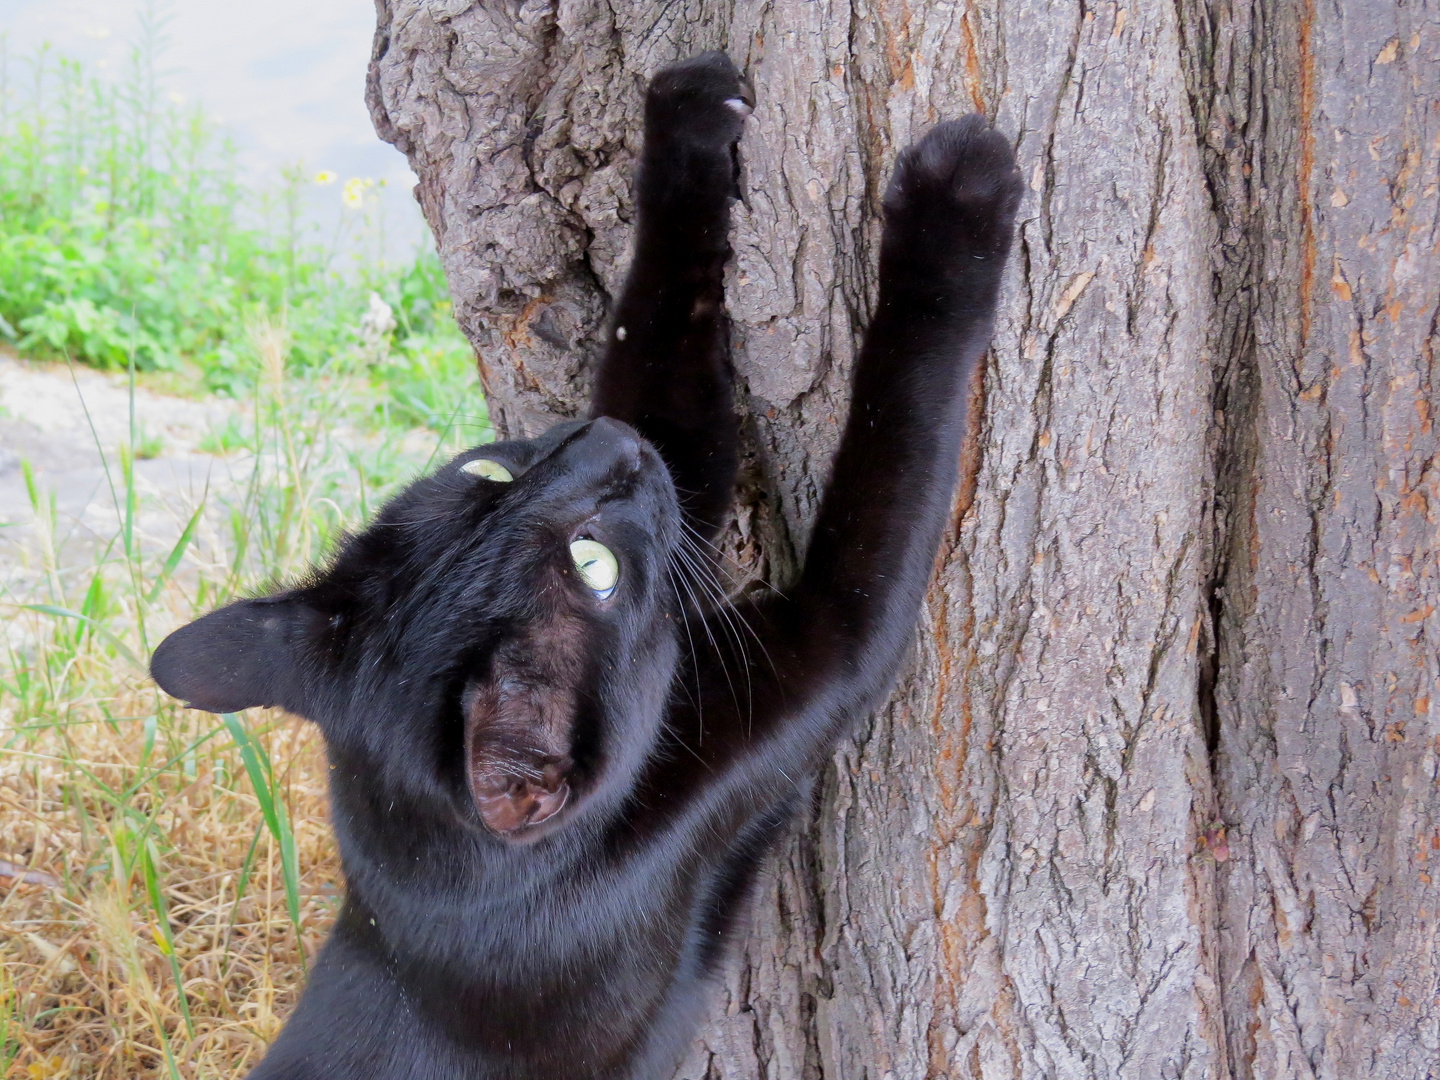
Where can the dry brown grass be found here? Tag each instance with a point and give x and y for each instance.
(87, 988)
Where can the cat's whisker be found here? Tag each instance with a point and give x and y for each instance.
(716, 555)
(695, 537)
(727, 602)
(696, 534)
(680, 567)
(694, 658)
(724, 560)
(721, 604)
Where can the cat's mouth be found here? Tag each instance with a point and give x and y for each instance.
(519, 724)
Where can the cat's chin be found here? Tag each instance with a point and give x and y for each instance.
(524, 811)
(527, 833)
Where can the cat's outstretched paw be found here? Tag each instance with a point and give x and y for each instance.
(955, 192)
(702, 100)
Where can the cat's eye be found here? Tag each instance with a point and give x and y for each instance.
(597, 566)
(490, 470)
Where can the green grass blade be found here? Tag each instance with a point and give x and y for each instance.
(262, 779)
(162, 919)
(240, 886)
(169, 1054)
(102, 631)
(90, 606)
(176, 554)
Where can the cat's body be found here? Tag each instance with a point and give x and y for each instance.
(551, 789)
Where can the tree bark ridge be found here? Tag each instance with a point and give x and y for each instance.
(1327, 661)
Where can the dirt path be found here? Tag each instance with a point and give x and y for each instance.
(58, 420)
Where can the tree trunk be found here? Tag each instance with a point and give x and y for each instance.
(1157, 795)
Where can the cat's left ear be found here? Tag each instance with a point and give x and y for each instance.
(244, 655)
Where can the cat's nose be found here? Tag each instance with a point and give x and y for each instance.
(611, 444)
(602, 456)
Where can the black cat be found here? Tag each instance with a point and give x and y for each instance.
(550, 790)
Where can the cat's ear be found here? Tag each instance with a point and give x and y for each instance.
(244, 655)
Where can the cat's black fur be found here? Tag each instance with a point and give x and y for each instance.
(550, 807)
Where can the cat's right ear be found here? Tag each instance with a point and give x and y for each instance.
(244, 655)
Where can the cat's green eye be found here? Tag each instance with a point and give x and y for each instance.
(490, 470)
(597, 566)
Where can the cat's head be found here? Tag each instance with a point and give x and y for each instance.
(499, 641)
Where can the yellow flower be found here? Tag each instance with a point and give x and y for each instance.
(353, 194)
(325, 176)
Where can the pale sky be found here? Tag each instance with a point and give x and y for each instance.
(286, 76)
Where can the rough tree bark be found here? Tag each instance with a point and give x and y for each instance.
(1157, 796)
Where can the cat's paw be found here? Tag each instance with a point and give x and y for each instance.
(702, 100)
(955, 192)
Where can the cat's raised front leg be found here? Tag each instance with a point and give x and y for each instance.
(827, 652)
(666, 370)
(949, 222)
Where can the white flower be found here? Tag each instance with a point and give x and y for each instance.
(325, 176)
(376, 326)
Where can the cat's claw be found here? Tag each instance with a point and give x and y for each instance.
(701, 100)
(744, 104)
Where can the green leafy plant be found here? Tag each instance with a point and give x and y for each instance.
(226, 438)
(126, 237)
